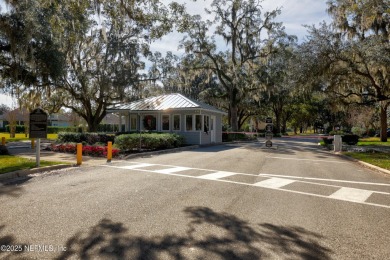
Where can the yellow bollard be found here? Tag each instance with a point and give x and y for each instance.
(79, 153)
(109, 151)
(32, 143)
(3, 141)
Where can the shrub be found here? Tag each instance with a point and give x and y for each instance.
(90, 150)
(64, 148)
(85, 138)
(339, 132)
(71, 137)
(371, 132)
(350, 139)
(358, 130)
(107, 128)
(152, 141)
(3, 150)
(57, 129)
(328, 140)
(126, 133)
(92, 138)
(18, 128)
(105, 138)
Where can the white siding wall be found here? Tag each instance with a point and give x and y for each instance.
(191, 137)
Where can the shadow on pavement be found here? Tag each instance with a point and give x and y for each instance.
(209, 235)
(11, 188)
(10, 249)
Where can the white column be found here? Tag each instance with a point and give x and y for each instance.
(127, 122)
(120, 122)
(337, 143)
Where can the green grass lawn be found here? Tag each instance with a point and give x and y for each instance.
(22, 137)
(10, 163)
(372, 141)
(378, 159)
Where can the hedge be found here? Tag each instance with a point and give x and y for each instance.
(90, 150)
(58, 129)
(350, 139)
(18, 129)
(151, 141)
(89, 138)
(107, 128)
(3, 150)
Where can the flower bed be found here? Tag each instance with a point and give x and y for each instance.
(90, 150)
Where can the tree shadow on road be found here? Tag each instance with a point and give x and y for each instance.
(10, 249)
(12, 188)
(209, 235)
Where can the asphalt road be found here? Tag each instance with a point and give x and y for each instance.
(236, 201)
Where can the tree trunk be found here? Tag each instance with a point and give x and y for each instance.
(383, 117)
(234, 117)
(92, 125)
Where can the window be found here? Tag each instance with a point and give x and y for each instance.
(150, 122)
(176, 122)
(165, 122)
(206, 125)
(133, 122)
(189, 123)
(198, 122)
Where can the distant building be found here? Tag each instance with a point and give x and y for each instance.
(198, 122)
(59, 120)
(21, 117)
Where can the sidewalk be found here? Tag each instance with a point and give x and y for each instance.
(23, 149)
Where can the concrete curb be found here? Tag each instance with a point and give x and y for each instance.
(22, 173)
(368, 165)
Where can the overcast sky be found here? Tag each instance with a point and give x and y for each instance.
(295, 13)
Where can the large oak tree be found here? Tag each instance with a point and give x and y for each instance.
(84, 55)
(247, 31)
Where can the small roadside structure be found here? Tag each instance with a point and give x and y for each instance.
(198, 122)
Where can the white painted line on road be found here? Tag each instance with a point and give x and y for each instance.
(200, 169)
(253, 185)
(298, 159)
(172, 170)
(274, 183)
(319, 179)
(216, 175)
(351, 194)
(139, 165)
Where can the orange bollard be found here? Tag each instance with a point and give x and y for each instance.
(79, 154)
(3, 141)
(109, 151)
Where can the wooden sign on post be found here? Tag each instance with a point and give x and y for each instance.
(38, 129)
(268, 132)
(38, 124)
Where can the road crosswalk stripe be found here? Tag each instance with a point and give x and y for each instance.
(274, 183)
(172, 170)
(351, 194)
(216, 175)
(139, 165)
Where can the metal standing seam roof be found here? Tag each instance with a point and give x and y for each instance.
(164, 102)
